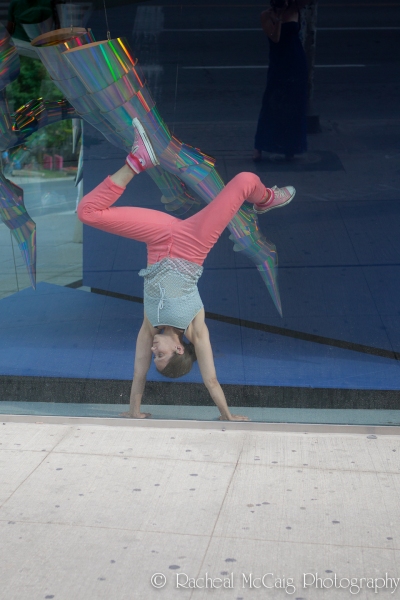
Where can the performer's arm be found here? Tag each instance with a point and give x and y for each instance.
(201, 341)
(143, 356)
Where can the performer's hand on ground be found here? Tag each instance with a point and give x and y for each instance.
(234, 418)
(130, 415)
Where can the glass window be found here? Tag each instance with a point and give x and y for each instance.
(305, 105)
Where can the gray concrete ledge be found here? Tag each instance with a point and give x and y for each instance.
(212, 425)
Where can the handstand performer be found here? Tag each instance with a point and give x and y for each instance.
(176, 250)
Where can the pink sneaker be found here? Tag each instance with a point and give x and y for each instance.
(279, 197)
(142, 155)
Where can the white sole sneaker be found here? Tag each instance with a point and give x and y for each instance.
(292, 192)
(137, 124)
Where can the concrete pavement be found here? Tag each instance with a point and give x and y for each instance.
(91, 511)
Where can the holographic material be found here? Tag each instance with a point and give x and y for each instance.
(27, 120)
(248, 238)
(106, 86)
(50, 48)
(14, 130)
(7, 136)
(37, 114)
(9, 59)
(110, 73)
(101, 64)
(119, 92)
(14, 215)
(175, 195)
(116, 84)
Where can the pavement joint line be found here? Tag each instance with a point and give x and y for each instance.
(217, 462)
(200, 535)
(70, 429)
(45, 456)
(134, 456)
(302, 542)
(64, 524)
(217, 517)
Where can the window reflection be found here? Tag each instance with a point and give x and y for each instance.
(332, 357)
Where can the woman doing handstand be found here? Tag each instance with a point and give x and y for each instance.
(176, 250)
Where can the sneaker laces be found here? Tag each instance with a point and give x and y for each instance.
(279, 192)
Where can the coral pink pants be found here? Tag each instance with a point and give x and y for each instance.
(165, 235)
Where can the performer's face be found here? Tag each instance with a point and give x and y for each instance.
(164, 347)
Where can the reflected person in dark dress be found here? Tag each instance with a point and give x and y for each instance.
(282, 124)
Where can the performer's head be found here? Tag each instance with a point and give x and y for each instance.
(172, 356)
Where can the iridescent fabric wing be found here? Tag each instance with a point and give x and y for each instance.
(15, 216)
(116, 84)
